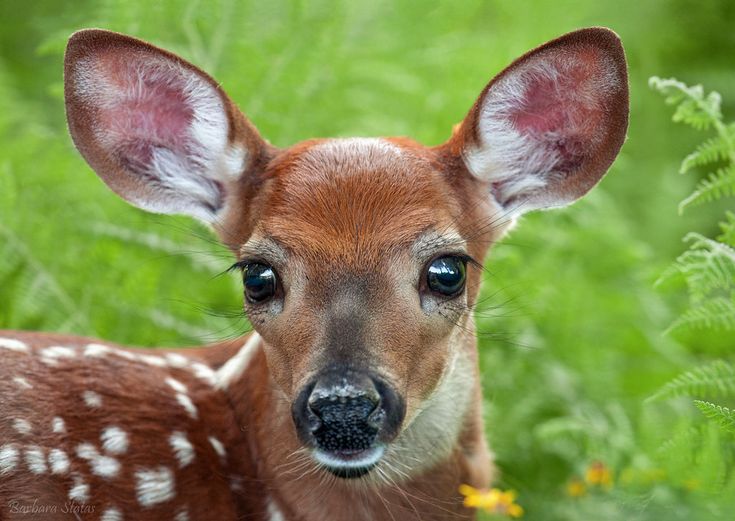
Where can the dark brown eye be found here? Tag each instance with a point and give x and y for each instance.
(447, 275)
(260, 282)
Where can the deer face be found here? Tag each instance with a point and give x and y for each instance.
(360, 257)
(356, 275)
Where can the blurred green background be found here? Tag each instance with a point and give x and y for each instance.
(572, 328)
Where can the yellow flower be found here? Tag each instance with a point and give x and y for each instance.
(576, 488)
(598, 474)
(494, 500)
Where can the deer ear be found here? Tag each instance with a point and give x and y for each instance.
(547, 128)
(160, 132)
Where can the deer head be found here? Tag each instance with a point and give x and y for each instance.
(360, 257)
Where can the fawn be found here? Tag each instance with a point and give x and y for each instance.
(357, 396)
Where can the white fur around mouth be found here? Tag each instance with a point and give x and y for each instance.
(364, 459)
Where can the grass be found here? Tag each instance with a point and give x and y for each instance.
(571, 325)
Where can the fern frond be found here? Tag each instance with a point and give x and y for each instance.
(723, 416)
(712, 380)
(718, 148)
(717, 313)
(728, 230)
(693, 107)
(707, 266)
(715, 186)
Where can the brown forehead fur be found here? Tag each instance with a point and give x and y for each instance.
(356, 201)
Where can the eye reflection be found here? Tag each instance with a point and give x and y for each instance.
(260, 282)
(447, 275)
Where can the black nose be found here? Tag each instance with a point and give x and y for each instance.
(345, 412)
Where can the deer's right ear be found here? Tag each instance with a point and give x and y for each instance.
(160, 132)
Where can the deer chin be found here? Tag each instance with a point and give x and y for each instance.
(350, 464)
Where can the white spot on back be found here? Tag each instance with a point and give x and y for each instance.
(36, 459)
(153, 360)
(176, 385)
(182, 515)
(204, 373)
(176, 360)
(236, 366)
(58, 352)
(218, 447)
(101, 465)
(154, 486)
(127, 355)
(187, 404)
(114, 440)
(22, 426)
(22, 382)
(9, 455)
(58, 425)
(79, 491)
(96, 350)
(111, 514)
(58, 461)
(14, 345)
(92, 399)
(182, 447)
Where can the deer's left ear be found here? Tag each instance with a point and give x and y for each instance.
(547, 128)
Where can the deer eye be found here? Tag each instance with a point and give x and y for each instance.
(447, 275)
(260, 282)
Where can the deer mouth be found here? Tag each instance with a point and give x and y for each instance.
(349, 463)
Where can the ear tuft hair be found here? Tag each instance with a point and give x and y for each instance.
(547, 128)
(159, 131)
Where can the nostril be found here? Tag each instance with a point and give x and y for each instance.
(376, 418)
(313, 421)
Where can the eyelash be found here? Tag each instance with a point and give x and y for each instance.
(242, 264)
(464, 256)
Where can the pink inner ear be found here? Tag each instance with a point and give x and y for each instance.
(143, 107)
(561, 107)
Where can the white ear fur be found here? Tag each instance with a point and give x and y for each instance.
(544, 120)
(155, 129)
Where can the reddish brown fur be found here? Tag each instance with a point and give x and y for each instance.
(347, 219)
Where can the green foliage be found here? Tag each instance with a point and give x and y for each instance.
(709, 265)
(719, 414)
(708, 268)
(703, 112)
(714, 379)
(569, 324)
(728, 230)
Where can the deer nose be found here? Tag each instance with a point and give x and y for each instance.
(345, 412)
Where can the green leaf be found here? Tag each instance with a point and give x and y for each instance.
(723, 416)
(714, 379)
(707, 266)
(728, 229)
(715, 186)
(717, 148)
(717, 313)
(693, 107)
